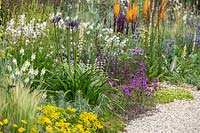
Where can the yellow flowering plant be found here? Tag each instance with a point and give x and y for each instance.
(55, 119)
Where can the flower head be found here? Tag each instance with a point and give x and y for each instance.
(21, 130)
(129, 14)
(162, 10)
(146, 9)
(72, 24)
(56, 19)
(116, 8)
(24, 121)
(49, 129)
(135, 10)
(5, 121)
(15, 125)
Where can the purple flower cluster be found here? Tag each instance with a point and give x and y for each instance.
(69, 24)
(139, 83)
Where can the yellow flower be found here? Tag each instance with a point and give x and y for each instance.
(21, 130)
(116, 8)
(44, 120)
(129, 15)
(71, 110)
(5, 121)
(14, 125)
(24, 121)
(49, 129)
(38, 108)
(80, 127)
(33, 130)
(1, 123)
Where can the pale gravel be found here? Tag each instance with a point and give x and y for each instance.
(176, 117)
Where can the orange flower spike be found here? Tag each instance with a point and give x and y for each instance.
(162, 10)
(129, 14)
(135, 10)
(116, 8)
(146, 8)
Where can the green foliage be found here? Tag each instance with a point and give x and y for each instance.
(19, 103)
(169, 95)
(112, 123)
(70, 79)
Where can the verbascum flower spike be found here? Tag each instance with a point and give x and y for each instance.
(146, 9)
(162, 10)
(135, 10)
(116, 8)
(129, 14)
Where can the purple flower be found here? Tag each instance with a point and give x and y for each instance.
(105, 127)
(135, 52)
(113, 83)
(72, 24)
(56, 19)
(126, 90)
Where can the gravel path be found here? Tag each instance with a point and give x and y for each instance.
(177, 117)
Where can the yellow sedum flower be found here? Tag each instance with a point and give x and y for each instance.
(1, 123)
(21, 130)
(5, 121)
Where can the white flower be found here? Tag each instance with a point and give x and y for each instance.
(67, 18)
(17, 72)
(58, 14)
(42, 72)
(26, 80)
(76, 17)
(25, 66)
(184, 17)
(21, 51)
(14, 61)
(31, 71)
(36, 72)
(9, 68)
(12, 76)
(33, 57)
